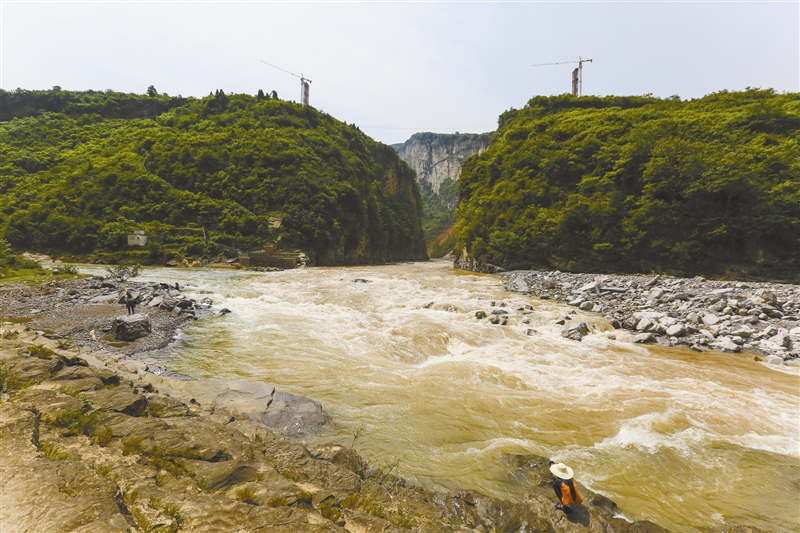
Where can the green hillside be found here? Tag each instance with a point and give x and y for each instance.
(81, 170)
(638, 184)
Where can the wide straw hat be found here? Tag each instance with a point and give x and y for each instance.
(562, 471)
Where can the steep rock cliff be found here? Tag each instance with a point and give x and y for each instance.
(437, 160)
(438, 156)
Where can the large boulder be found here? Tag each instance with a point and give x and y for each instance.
(575, 331)
(130, 328)
(294, 415)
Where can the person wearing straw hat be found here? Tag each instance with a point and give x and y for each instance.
(565, 488)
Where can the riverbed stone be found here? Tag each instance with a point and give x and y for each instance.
(131, 327)
(518, 285)
(105, 298)
(781, 339)
(710, 319)
(676, 330)
(726, 345)
(294, 415)
(575, 331)
(644, 338)
(645, 324)
(594, 286)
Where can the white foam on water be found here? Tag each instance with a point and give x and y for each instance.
(780, 444)
(444, 388)
(639, 433)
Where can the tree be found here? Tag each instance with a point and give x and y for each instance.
(151, 91)
(124, 271)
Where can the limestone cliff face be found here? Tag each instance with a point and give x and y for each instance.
(437, 156)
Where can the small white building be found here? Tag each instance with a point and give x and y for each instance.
(137, 239)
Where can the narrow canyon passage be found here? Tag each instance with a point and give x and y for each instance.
(684, 439)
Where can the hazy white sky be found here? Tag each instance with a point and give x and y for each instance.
(402, 67)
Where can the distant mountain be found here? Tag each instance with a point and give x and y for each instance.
(709, 186)
(437, 159)
(81, 170)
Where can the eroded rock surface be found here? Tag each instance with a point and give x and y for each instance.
(95, 443)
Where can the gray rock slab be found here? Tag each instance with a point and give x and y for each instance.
(726, 346)
(518, 285)
(593, 286)
(131, 327)
(676, 330)
(575, 331)
(294, 415)
(104, 298)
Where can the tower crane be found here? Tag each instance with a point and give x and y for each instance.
(304, 82)
(577, 74)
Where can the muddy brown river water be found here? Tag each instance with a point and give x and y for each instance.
(684, 439)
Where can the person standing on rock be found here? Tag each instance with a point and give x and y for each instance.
(130, 303)
(565, 488)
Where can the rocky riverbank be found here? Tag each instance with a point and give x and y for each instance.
(94, 442)
(82, 312)
(762, 318)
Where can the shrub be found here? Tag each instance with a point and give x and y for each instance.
(351, 502)
(69, 391)
(104, 437)
(141, 519)
(75, 421)
(331, 512)
(37, 350)
(9, 335)
(277, 501)
(245, 495)
(131, 446)
(130, 497)
(291, 476)
(124, 271)
(168, 459)
(304, 497)
(65, 344)
(155, 410)
(373, 508)
(53, 452)
(12, 381)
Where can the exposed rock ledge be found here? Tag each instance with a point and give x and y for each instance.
(96, 443)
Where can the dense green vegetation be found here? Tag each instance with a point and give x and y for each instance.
(79, 171)
(13, 265)
(639, 184)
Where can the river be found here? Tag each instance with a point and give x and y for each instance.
(684, 439)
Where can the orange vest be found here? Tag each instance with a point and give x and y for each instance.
(566, 494)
